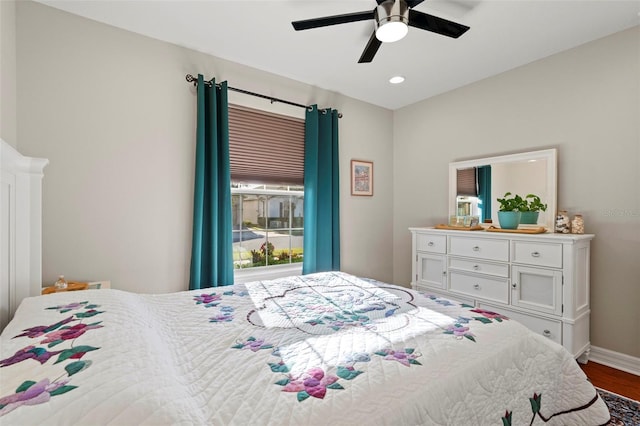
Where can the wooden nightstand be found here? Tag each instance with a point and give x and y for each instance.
(75, 286)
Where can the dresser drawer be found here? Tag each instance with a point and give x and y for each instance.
(548, 328)
(431, 243)
(498, 269)
(537, 254)
(480, 248)
(481, 287)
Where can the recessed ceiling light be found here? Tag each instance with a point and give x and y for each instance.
(396, 80)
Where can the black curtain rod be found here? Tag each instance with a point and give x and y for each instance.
(194, 80)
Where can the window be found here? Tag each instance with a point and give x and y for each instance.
(267, 225)
(267, 193)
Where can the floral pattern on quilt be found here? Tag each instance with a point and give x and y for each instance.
(287, 364)
(31, 392)
(73, 306)
(208, 300)
(536, 405)
(225, 314)
(438, 300)
(460, 329)
(214, 300)
(326, 309)
(252, 344)
(406, 356)
(488, 316)
(316, 380)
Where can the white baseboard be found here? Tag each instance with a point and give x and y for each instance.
(617, 360)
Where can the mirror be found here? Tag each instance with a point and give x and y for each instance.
(488, 179)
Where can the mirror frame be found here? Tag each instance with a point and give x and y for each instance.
(550, 155)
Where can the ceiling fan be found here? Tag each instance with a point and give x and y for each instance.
(391, 18)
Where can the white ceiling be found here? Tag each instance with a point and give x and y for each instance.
(504, 34)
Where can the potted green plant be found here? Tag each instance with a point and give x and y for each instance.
(530, 209)
(509, 211)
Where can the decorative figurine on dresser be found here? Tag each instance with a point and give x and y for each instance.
(563, 225)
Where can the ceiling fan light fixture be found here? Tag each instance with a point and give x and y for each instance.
(392, 20)
(391, 31)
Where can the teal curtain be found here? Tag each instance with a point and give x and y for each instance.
(484, 191)
(212, 246)
(321, 192)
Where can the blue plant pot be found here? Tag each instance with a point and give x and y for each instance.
(509, 220)
(529, 218)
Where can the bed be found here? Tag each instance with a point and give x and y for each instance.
(326, 348)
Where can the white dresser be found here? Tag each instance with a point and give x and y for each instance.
(540, 280)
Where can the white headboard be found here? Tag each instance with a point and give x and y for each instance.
(20, 229)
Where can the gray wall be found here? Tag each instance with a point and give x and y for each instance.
(586, 103)
(8, 72)
(113, 113)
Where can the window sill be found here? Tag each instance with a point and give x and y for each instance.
(266, 273)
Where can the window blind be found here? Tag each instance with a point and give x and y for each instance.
(466, 179)
(265, 147)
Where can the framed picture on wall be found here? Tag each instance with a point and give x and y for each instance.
(361, 177)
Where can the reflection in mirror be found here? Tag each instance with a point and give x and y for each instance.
(474, 185)
(473, 194)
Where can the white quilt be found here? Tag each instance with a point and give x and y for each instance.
(324, 349)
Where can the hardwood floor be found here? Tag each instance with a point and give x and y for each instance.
(616, 381)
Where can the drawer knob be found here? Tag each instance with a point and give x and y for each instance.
(514, 285)
(430, 243)
(476, 267)
(444, 272)
(535, 254)
(476, 286)
(546, 333)
(476, 248)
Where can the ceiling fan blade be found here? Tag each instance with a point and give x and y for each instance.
(370, 51)
(410, 3)
(413, 3)
(435, 24)
(332, 20)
